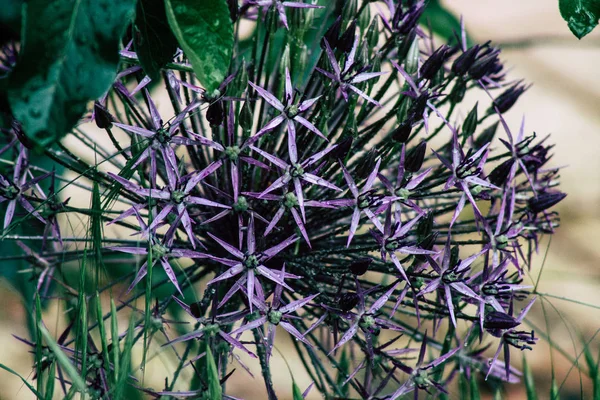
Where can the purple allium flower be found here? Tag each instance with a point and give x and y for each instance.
(290, 112)
(160, 140)
(451, 278)
(504, 326)
(162, 253)
(367, 319)
(344, 77)
(280, 7)
(466, 170)
(420, 376)
(276, 314)
(14, 190)
(250, 264)
(174, 199)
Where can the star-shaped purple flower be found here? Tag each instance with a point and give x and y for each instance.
(249, 264)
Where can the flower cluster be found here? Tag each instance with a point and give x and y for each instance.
(343, 191)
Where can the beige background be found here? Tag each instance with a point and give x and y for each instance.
(564, 101)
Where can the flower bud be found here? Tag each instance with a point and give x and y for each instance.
(425, 226)
(544, 201)
(499, 320)
(360, 266)
(102, 117)
(348, 301)
(500, 174)
(470, 123)
(215, 114)
(435, 61)
(414, 159)
(461, 65)
(484, 65)
(364, 168)
(332, 34)
(509, 97)
(402, 132)
(342, 149)
(346, 41)
(233, 10)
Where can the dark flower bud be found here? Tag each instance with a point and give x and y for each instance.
(360, 266)
(102, 117)
(435, 61)
(486, 136)
(544, 201)
(233, 9)
(461, 65)
(419, 106)
(426, 244)
(332, 34)
(215, 114)
(346, 41)
(196, 309)
(342, 149)
(365, 168)
(499, 320)
(509, 97)
(484, 65)
(425, 226)
(470, 123)
(348, 301)
(414, 159)
(402, 132)
(500, 174)
(410, 19)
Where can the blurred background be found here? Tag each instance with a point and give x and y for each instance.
(564, 101)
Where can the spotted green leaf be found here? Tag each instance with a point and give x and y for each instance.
(205, 33)
(70, 56)
(581, 15)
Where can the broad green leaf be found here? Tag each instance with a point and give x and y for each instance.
(443, 22)
(153, 40)
(205, 33)
(296, 392)
(581, 15)
(63, 360)
(70, 56)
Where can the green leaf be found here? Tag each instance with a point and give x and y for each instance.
(443, 22)
(529, 381)
(63, 360)
(25, 382)
(296, 392)
(70, 56)
(153, 40)
(205, 33)
(214, 384)
(581, 15)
